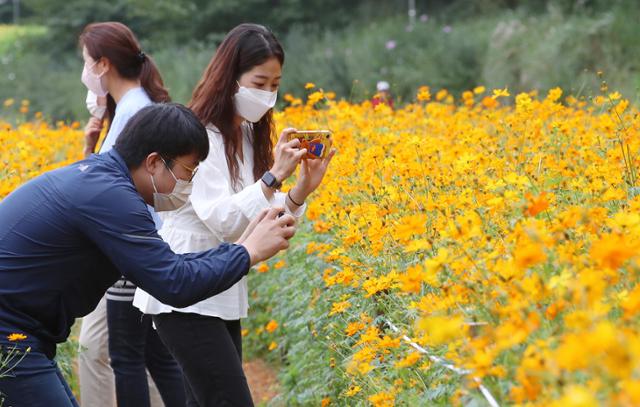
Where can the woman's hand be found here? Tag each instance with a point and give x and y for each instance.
(312, 172)
(287, 156)
(91, 135)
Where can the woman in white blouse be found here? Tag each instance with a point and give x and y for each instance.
(240, 177)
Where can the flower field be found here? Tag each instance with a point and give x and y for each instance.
(498, 233)
(502, 240)
(33, 147)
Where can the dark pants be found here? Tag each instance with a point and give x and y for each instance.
(35, 382)
(134, 347)
(209, 351)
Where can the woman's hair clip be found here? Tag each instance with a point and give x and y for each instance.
(142, 56)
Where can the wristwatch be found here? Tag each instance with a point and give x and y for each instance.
(271, 181)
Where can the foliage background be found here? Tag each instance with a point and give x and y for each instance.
(343, 46)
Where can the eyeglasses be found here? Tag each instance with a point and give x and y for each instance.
(193, 171)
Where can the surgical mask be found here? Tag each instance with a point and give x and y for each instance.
(93, 107)
(92, 81)
(252, 103)
(174, 200)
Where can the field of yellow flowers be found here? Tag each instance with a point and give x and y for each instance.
(30, 148)
(502, 239)
(460, 251)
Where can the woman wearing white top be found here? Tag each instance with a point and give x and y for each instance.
(239, 178)
(118, 71)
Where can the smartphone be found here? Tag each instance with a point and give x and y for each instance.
(317, 142)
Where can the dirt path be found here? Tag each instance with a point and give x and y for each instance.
(262, 379)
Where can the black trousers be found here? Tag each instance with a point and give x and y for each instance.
(209, 351)
(134, 347)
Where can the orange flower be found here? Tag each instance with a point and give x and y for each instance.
(631, 303)
(411, 281)
(262, 268)
(489, 102)
(535, 205)
(529, 254)
(410, 360)
(16, 337)
(353, 328)
(612, 249)
(321, 226)
(271, 326)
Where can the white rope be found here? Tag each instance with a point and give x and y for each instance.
(438, 360)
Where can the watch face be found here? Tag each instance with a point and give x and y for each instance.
(269, 179)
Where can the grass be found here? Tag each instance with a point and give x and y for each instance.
(66, 357)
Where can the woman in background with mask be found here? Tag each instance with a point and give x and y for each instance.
(240, 177)
(117, 71)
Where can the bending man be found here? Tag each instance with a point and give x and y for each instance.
(63, 232)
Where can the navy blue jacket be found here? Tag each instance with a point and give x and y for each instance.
(67, 235)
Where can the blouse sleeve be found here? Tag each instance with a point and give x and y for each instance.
(280, 199)
(227, 213)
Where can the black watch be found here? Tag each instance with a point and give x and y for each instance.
(271, 181)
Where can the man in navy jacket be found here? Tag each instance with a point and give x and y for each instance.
(62, 233)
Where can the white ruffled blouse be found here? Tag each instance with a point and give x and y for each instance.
(215, 213)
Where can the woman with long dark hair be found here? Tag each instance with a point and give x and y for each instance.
(116, 68)
(240, 177)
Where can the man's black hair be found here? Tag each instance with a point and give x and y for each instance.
(169, 129)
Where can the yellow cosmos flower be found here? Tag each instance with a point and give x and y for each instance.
(498, 93)
(339, 307)
(16, 337)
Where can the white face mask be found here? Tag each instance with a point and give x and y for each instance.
(92, 81)
(176, 199)
(252, 103)
(93, 107)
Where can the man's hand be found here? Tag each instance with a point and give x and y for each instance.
(267, 234)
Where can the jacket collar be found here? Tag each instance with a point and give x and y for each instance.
(122, 166)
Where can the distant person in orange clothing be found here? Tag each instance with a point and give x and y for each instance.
(383, 95)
